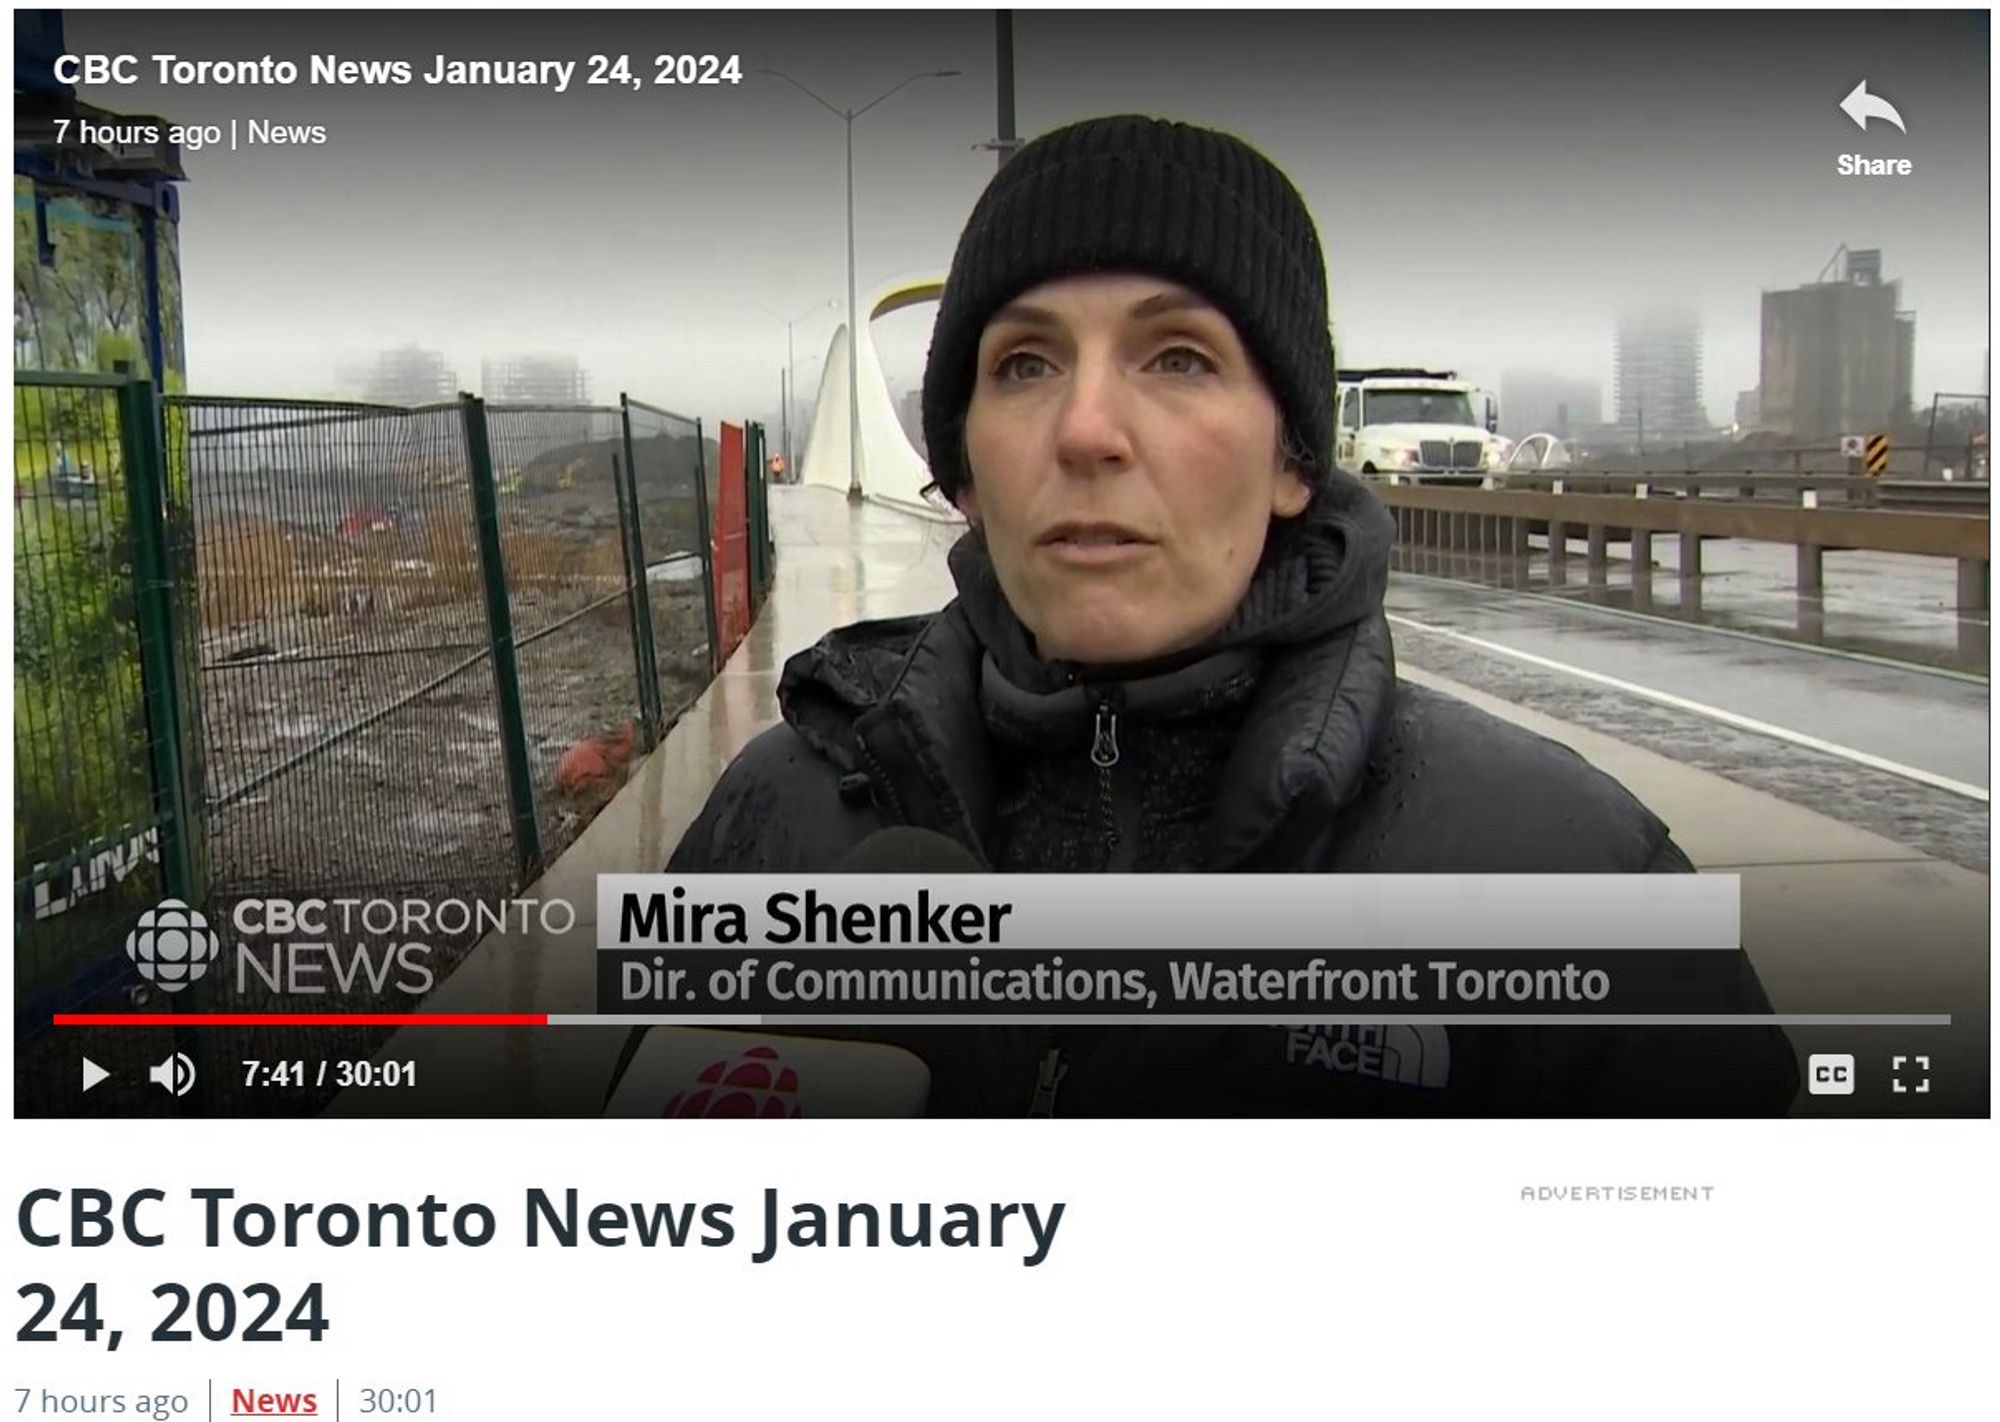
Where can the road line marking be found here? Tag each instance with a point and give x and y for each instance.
(1713, 713)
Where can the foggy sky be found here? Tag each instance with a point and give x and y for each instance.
(1492, 189)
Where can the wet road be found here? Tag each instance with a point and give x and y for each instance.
(1904, 720)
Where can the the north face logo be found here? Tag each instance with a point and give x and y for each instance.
(1411, 1056)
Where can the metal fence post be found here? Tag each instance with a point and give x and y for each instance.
(638, 609)
(183, 555)
(702, 517)
(1930, 437)
(764, 511)
(177, 799)
(753, 544)
(760, 515)
(500, 627)
(635, 573)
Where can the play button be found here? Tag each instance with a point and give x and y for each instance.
(92, 1073)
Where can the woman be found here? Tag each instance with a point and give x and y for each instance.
(1168, 653)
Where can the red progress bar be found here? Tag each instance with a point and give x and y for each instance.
(302, 1019)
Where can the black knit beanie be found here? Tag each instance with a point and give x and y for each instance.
(1136, 194)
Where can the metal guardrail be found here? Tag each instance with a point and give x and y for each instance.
(1968, 496)
(1909, 458)
(1500, 520)
(1855, 490)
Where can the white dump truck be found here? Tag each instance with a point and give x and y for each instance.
(1408, 421)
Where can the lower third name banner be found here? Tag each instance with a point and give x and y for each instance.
(1279, 948)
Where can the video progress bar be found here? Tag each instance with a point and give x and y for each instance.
(301, 1019)
(777, 1022)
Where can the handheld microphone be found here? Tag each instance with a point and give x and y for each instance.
(903, 849)
(696, 1071)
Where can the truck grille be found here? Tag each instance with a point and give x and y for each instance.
(1452, 454)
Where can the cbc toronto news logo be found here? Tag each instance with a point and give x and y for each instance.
(172, 946)
(348, 948)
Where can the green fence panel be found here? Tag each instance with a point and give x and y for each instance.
(559, 474)
(349, 724)
(669, 464)
(105, 815)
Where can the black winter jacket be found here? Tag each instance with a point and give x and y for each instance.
(1339, 768)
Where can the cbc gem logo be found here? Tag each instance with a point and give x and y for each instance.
(172, 946)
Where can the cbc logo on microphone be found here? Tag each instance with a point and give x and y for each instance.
(1830, 1074)
(172, 946)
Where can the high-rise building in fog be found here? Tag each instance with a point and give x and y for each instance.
(535, 380)
(1657, 374)
(411, 376)
(1538, 402)
(1838, 356)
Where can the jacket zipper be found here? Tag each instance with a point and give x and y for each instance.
(873, 764)
(1104, 755)
(1048, 1078)
(1121, 846)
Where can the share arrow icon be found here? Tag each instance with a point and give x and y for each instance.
(92, 1073)
(1862, 106)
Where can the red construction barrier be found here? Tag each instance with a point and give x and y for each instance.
(730, 544)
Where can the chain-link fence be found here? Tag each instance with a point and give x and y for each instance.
(669, 460)
(560, 481)
(348, 706)
(104, 824)
(296, 649)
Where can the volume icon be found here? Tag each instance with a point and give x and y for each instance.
(176, 1074)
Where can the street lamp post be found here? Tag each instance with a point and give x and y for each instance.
(1005, 141)
(791, 379)
(848, 116)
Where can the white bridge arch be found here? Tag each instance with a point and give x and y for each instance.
(892, 471)
(1539, 451)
